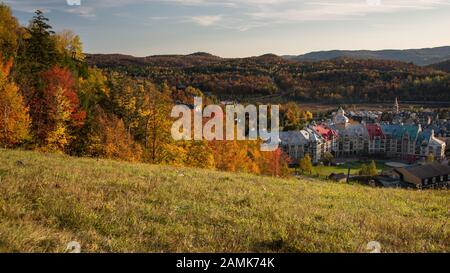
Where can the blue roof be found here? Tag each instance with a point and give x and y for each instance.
(398, 131)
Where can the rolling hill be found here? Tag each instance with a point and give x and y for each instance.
(424, 56)
(48, 200)
(443, 66)
(271, 78)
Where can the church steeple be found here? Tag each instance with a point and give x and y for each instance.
(396, 106)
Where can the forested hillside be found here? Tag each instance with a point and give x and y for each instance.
(337, 80)
(444, 66)
(52, 101)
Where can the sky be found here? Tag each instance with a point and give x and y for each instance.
(242, 28)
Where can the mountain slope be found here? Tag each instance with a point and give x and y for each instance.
(443, 66)
(424, 56)
(270, 78)
(179, 61)
(49, 200)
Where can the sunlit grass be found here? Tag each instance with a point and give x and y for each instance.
(111, 206)
(355, 167)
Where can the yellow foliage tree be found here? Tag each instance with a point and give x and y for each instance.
(70, 44)
(59, 137)
(14, 118)
(110, 139)
(155, 114)
(306, 164)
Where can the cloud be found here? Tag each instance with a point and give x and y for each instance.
(242, 14)
(206, 20)
(81, 11)
(341, 10)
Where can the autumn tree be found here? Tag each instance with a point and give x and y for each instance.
(364, 170)
(305, 164)
(373, 169)
(10, 32)
(328, 158)
(69, 45)
(109, 138)
(199, 154)
(293, 117)
(155, 114)
(93, 92)
(14, 118)
(276, 164)
(126, 99)
(59, 107)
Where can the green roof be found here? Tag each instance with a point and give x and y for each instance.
(398, 131)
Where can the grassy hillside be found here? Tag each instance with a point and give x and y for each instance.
(47, 201)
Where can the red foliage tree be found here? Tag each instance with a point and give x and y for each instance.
(57, 104)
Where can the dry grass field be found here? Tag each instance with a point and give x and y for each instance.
(49, 200)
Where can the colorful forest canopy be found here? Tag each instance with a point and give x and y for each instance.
(270, 77)
(51, 100)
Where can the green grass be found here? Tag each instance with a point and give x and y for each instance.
(355, 167)
(111, 206)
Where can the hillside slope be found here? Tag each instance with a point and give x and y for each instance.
(272, 79)
(444, 66)
(48, 200)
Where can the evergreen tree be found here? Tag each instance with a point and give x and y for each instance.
(37, 53)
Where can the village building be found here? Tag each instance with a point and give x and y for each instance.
(297, 144)
(352, 137)
(329, 137)
(401, 140)
(377, 140)
(344, 137)
(411, 143)
(425, 176)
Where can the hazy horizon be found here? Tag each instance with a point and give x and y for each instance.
(233, 28)
(281, 55)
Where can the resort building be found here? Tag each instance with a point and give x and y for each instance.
(344, 137)
(297, 144)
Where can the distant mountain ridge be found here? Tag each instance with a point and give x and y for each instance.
(423, 56)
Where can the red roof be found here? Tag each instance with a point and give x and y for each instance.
(325, 132)
(374, 130)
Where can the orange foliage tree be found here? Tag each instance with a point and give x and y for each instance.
(14, 118)
(109, 138)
